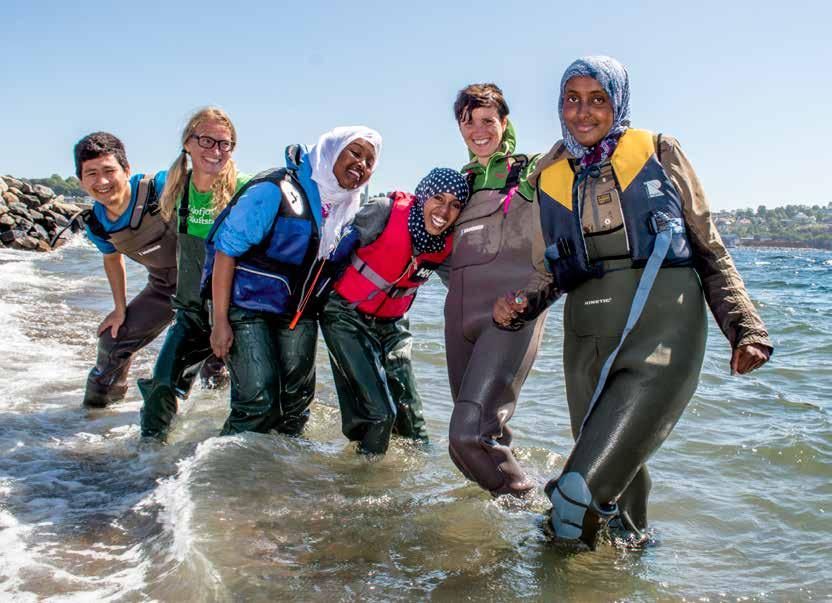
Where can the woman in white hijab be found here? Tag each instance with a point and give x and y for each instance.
(266, 261)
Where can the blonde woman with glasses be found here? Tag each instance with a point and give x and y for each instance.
(201, 181)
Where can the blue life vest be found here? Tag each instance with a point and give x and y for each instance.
(271, 276)
(647, 197)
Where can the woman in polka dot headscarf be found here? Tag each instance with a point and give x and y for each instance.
(401, 240)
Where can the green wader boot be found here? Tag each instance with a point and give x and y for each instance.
(187, 346)
(373, 376)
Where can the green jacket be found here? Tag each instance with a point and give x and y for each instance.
(493, 175)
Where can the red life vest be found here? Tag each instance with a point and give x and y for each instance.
(383, 276)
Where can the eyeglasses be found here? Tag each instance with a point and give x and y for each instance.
(206, 142)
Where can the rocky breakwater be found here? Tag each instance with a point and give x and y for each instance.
(32, 214)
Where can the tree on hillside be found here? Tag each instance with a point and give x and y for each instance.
(70, 187)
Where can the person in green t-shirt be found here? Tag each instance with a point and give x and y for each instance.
(193, 197)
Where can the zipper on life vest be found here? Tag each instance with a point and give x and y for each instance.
(267, 275)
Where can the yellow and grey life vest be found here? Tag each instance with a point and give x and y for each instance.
(640, 193)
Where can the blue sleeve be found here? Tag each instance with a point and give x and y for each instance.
(104, 247)
(250, 220)
(159, 181)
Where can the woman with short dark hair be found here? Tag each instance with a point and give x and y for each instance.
(492, 249)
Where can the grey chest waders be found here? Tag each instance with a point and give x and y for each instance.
(487, 366)
(150, 241)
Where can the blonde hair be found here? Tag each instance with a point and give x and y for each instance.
(226, 181)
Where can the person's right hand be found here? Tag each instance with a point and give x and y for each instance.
(508, 307)
(221, 338)
(112, 321)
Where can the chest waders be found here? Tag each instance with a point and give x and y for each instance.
(187, 346)
(150, 241)
(486, 365)
(272, 368)
(367, 334)
(634, 340)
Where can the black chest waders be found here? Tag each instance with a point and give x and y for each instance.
(487, 366)
(150, 241)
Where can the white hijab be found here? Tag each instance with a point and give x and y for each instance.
(342, 203)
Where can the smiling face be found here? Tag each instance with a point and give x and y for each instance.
(103, 179)
(482, 130)
(355, 164)
(587, 111)
(209, 162)
(440, 212)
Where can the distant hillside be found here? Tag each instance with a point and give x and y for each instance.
(788, 226)
(71, 187)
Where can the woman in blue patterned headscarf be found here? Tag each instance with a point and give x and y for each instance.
(614, 80)
(401, 239)
(627, 234)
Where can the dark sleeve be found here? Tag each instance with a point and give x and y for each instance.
(371, 219)
(724, 289)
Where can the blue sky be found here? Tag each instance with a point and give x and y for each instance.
(745, 87)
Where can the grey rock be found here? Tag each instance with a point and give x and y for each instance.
(12, 182)
(10, 236)
(10, 197)
(40, 232)
(3, 186)
(36, 215)
(26, 242)
(31, 201)
(67, 209)
(25, 187)
(60, 219)
(44, 192)
(18, 208)
(24, 224)
(6, 222)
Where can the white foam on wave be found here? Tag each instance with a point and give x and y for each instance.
(173, 496)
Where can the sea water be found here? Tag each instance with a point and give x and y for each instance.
(740, 508)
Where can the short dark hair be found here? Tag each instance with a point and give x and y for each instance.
(97, 144)
(476, 96)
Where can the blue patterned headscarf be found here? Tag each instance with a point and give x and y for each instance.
(615, 81)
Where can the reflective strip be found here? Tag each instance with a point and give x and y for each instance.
(267, 275)
(645, 284)
(370, 274)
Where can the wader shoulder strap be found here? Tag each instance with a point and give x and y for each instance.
(664, 229)
(513, 177)
(184, 212)
(145, 200)
(95, 225)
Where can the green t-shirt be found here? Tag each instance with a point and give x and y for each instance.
(201, 208)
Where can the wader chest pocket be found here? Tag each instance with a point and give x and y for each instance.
(478, 233)
(601, 211)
